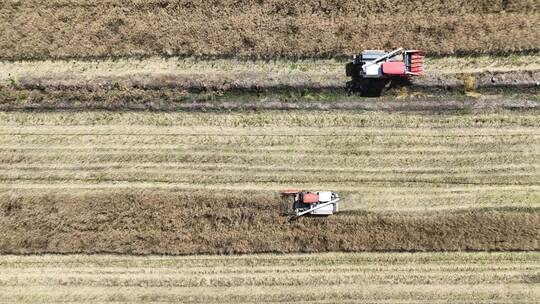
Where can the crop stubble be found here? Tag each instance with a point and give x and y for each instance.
(379, 161)
(334, 277)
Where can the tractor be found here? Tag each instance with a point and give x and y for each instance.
(374, 70)
(310, 203)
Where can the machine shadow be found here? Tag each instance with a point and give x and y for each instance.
(375, 87)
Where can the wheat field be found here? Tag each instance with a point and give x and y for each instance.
(317, 278)
(98, 206)
(277, 28)
(150, 221)
(378, 161)
(124, 182)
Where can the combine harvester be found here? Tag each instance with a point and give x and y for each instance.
(310, 203)
(371, 71)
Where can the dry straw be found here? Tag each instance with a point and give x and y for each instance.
(164, 222)
(35, 29)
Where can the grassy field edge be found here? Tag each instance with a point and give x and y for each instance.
(189, 84)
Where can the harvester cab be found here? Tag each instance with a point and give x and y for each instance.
(372, 70)
(310, 203)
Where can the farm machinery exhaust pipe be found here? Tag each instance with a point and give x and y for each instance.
(310, 203)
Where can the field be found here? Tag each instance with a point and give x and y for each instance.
(190, 84)
(224, 222)
(82, 28)
(243, 75)
(143, 145)
(380, 161)
(166, 182)
(318, 278)
(179, 83)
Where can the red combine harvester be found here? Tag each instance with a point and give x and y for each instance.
(371, 71)
(312, 203)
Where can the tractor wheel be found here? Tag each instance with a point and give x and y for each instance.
(351, 70)
(374, 87)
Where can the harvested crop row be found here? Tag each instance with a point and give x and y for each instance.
(268, 123)
(191, 84)
(346, 277)
(378, 161)
(278, 28)
(165, 222)
(290, 8)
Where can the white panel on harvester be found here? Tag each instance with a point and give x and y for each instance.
(374, 70)
(324, 196)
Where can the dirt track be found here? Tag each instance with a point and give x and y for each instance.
(185, 89)
(142, 222)
(171, 100)
(255, 81)
(191, 84)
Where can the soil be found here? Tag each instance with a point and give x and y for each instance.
(480, 91)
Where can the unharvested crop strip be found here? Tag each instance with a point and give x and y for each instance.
(270, 28)
(235, 222)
